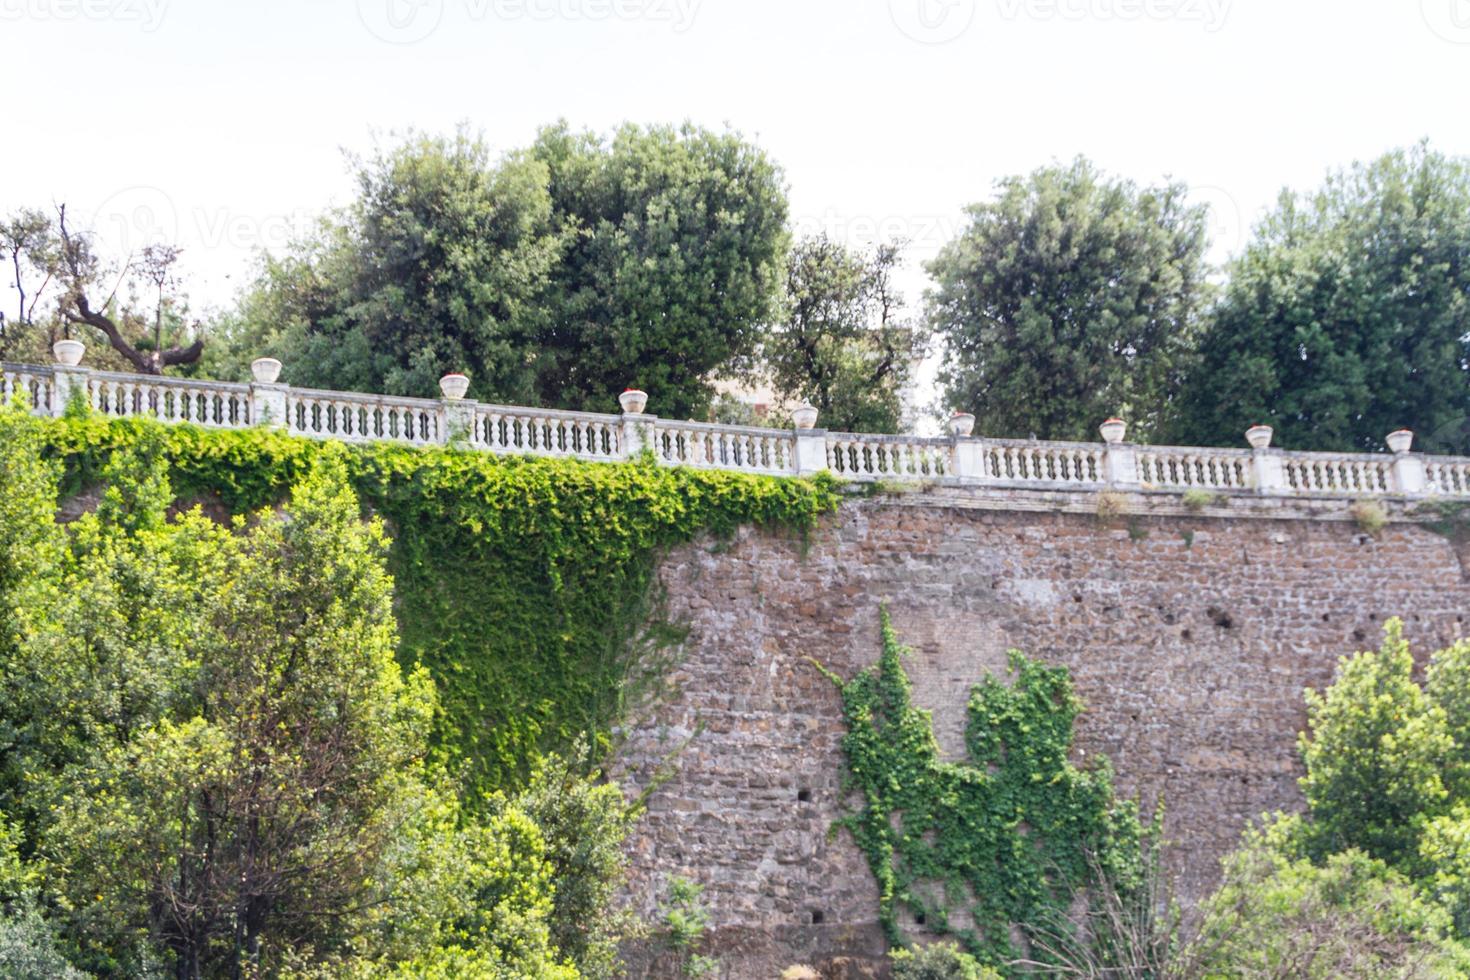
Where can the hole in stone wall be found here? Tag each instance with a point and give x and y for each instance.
(1186, 635)
(918, 918)
(1077, 597)
(1326, 618)
(803, 796)
(1220, 617)
(1359, 636)
(817, 917)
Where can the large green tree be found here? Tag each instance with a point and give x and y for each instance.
(557, 275)
(840, 342)
(439, 264)
(1348, 315)
(674, 262)
(1069, 297)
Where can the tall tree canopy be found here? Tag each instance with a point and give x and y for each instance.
(560, 274)
(674, 262)
(1348, 315)
(439, 265)
(1070, 297)
(840, 342)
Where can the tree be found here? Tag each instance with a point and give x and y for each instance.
(80, 271)
(673, 264)
(28, 241)
(439, 265)
(1069, 298)
(1375, 756)
(582, 823)
(1347, 316)
(840, 343)
(1276, 917)
(257, 817)
(559, 275)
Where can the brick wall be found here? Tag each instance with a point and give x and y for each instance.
(1189, 636)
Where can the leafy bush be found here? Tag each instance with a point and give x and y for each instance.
(214, 760)
(1350, 917)
(938, 961)
(1375, 757)
(685, 918)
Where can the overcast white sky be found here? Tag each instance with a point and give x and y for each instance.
(221, 125)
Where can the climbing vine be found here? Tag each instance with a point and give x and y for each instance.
(523, 584)
(998, 845)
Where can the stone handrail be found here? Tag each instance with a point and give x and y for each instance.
(956, 458)
(546, 432)
(855, 456)
(218, 404)
(725, 447)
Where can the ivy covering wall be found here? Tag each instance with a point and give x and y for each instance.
(998, 846)
(522, 584)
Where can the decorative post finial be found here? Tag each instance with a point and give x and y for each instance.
(633, 401)
(1259, 436)
(1113, 431)
(804, 416)
(265, 370)
(1399, 441)
(454, 386)
(68, 352)
(961, 424)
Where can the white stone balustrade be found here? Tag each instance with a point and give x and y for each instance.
(725, 447)
(954, 459)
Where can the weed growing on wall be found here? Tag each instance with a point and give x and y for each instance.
(986, 848)
(523, 584)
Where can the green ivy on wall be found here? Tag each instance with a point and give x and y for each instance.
(998, 844)
(522, 584)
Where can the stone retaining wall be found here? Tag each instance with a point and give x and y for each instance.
(1190, 636)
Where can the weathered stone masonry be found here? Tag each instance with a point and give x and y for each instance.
(1190, 637)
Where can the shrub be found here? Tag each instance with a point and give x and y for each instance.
(1351, 917)
(938, 961)
(1369, 515)
(1196, 499)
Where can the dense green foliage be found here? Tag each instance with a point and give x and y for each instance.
(1348, 316)
(217, 767)
(438, 265)
(1376, 756)
(938, 961)
(556, 275)
(521, 584)
(999, 842)
(1374, 878)
(672, 268)
(1070, 298)
(840, 343)
(1349, 917)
